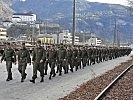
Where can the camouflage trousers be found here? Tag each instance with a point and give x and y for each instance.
(8, 68)
(38, 67)
(22, 68)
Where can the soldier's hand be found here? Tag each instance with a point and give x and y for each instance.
(41, 61)
(14, 63)
(64, 59)
(32, 62)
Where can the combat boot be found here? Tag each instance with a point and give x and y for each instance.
(54, 75)
(25, 76)
(22, 79)
(50, 77)
(33, 80)
(60, 73)
(10, 77)
(71, 70)
(42, 80)
(7, 79)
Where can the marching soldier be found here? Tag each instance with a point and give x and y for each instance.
(52, 57)
(9, 56)
(38, 62)
(70, 60)
(84, 57)
(74, 57)
(23, 59)
(46, 62)
(62, 58)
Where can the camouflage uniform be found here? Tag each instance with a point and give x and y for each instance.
(9, 56)
(84, 57)
(23, 59)
(39, 56)
(52, 57)
(62, 59)
(70, 60)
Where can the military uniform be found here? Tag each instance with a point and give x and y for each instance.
(62, 60)
(23, 59)
(70, 60)
(52, 57)
(39, 55)
(84, 57)
(9, 56)
(46, 63)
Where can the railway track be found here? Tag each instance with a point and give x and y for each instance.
(105, 91)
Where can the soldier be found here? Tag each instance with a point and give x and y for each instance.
(74, 57)
(84, 56)
(9, 56)
(62, 59)
(46, 62)
(79, 57)
(70, 60)
(38, 61)
(52, 57)
(23, 59)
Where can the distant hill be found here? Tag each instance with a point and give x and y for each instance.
(5, 11)
(90, 17)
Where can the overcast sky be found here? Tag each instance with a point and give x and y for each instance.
(123, 2)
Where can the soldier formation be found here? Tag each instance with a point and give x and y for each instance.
(59, 58)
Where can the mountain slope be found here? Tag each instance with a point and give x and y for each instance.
(90, 17)
(5, 11)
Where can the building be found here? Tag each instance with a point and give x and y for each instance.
(3, 34)
(66, 38)
(47, 27)
(24, 17)
(95, 41)
(7, 23)
(45, 38)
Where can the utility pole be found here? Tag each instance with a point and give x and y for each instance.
(73, 28)
(116, 41)
(115, 34)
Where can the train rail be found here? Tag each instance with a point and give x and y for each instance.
(101, 95)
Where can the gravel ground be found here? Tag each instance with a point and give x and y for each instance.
(123, 89)
(53, 89)
(90, 89)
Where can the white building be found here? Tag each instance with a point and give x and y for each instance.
(7, 23)
(66, 37)
(3, 34)
(95, 41)
(24, 17)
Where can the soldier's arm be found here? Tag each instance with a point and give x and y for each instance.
(28, 57)
(14, 55)
(34, 55)
(3, 56)
(44, 55)
(18, 55)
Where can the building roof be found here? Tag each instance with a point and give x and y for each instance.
(24, 14)
(15, 17)
(44, 35)
(7, 21)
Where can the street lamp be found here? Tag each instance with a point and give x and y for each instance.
(73, 28)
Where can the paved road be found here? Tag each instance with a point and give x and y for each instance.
(50, 89)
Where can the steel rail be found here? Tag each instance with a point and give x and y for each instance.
(111, 84)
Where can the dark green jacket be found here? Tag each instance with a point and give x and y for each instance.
(8, 55)
(62, 53)
(39, 54)
(24, 56)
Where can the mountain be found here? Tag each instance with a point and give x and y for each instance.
(91, 17)
(5, 11)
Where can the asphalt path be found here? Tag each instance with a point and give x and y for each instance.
(53, 89)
